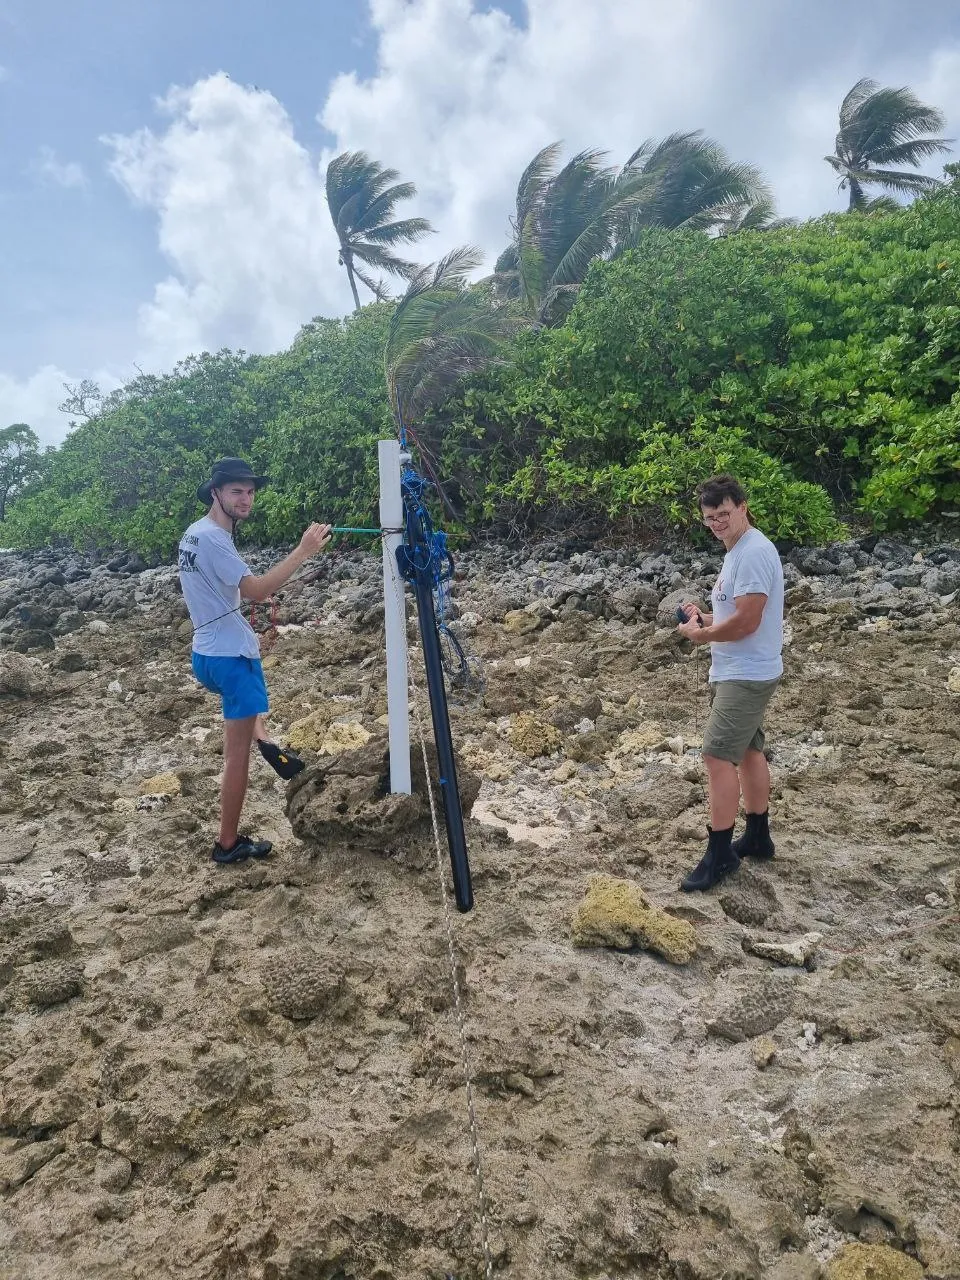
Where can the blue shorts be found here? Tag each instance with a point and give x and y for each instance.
(239, 682)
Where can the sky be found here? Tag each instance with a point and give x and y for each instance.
(162, 163)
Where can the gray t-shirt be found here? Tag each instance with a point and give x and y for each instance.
(751, 567)
(210, 573)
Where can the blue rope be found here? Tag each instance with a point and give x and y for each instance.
(426, 546)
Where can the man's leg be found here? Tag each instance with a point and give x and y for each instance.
(724, 789)
(755, 781)
(755, 784)
(237, 741)
(723, 736)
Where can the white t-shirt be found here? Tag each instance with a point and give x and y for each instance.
(751, 567)
(210, 574)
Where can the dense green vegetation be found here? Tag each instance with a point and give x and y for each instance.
(646, 326)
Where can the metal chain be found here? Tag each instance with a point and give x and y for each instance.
(454, 977)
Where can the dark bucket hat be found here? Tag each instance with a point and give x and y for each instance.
(223, 472)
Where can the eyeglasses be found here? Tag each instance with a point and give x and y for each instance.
(722, 518)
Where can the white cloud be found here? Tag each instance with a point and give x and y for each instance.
(242, 219)
(460, 100)
(940, 87)
(34, 401)
(63, 173)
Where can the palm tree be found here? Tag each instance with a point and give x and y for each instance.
(880, 127)
(442, 329)
(564, 219)
(759, 215)
(361, 200)
(690, 181)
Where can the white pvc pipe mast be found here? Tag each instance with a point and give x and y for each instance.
(395, 617)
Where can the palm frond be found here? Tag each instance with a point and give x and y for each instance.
(379, 208)
(690, 182)
(911, 152)
(854, 100)
(378, 287)
(441, 330)
(534, 179)
(881, 127)
(882, 204)
(900, 180)
(382, 260)
(760, 215)
(402, 232)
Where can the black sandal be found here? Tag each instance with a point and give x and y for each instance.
(286, 762)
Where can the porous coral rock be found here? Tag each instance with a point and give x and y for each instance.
(799, 952)
(348, 796)
(301, 983)
(616, 913)
(758, 1005)
(307, 733)
(20, 675)
(520, 622)
(872, 1262)
(533, 737)
(50, 982)
(343, 736)
(160, 784)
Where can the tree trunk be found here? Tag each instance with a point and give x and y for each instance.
(857, 196)
(348, 263)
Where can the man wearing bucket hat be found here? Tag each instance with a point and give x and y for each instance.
(226, 651)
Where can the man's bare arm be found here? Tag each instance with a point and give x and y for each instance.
(260, 587)
(746, 619)
(743, 623)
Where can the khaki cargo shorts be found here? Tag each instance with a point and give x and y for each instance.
(735, 724)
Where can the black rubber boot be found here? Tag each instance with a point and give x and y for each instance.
(719, 860)
(755, 841)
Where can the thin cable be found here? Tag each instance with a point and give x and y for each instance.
(455, 984)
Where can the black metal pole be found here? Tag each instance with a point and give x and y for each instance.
(452, 811)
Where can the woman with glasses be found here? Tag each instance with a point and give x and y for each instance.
(745, 635)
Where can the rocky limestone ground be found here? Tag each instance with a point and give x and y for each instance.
(254, 1071)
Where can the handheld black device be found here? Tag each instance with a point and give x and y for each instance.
(682, 617)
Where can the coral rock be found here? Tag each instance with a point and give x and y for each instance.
(616, 913)
(343, 736)
(300, 984)
(167, 784)
(347, 797)
(533, 737)
(799, 953)
(50, 982)
(873, 1262)
(19, 675)
(519, 622)
(753, 1009)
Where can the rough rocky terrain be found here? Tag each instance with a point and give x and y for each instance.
(254, 1071)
